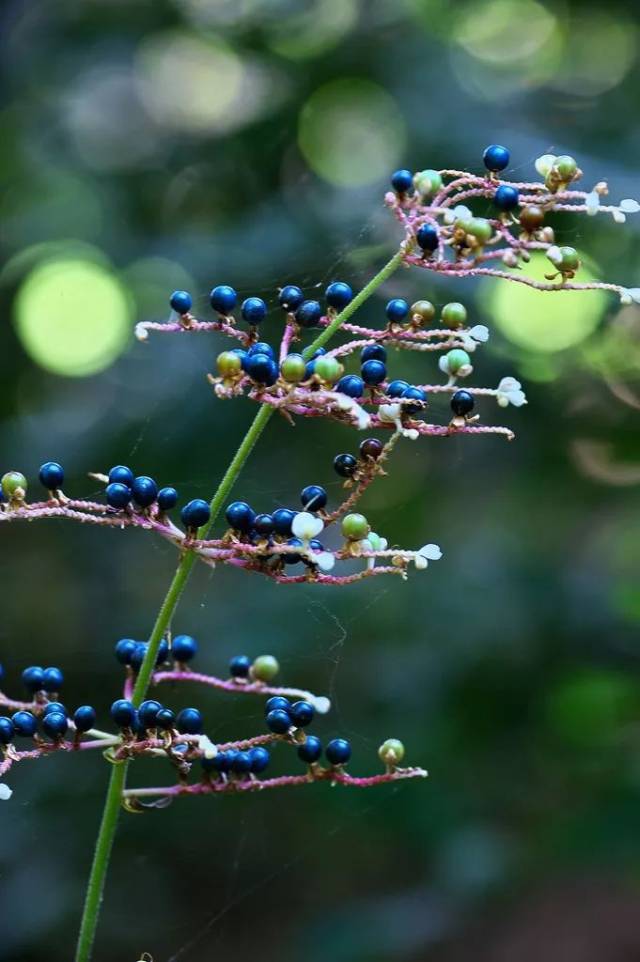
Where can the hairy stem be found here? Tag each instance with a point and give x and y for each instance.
(108, 825)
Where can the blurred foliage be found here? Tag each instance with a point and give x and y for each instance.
(183, 143)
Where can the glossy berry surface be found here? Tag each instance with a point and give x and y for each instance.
(167, 498)
(261, 347)
(165, 719)
(345, 464)
(240, 516)
(195, 514)
(355, 526)
(263, 525)
(277, 702)
(313, 497)
(278, 721)
(144, 491)
(124, 650)
(308, 314)
(506, 197)
(311, 750)
(123, 713)
(121, 474)
(55, 724)
(51, 475)
(148, 711)
(414, 394)
(33, 678)
(84, 718)
(371, 448)
(223, 299)
(53, 680)
(7, 730)
(302, 713)
(373, 372)
(239, 666)
(338, 295)
(55, 706)
(427, 237)
(259, 758)
(241, 764)
(118, 495)
(338, 751)
(181, 302)
(396, 388)
(184, 648)
(290, 297)
(282, 520)
(189, 721)
(262, 369)
(402, 181)
(351, 385)
(24, 723)
(294, 368)
(496, 157)
(462, 403)
(137, 655)
(396, 310)
(292, 557)
(254, 310)
(373, 352)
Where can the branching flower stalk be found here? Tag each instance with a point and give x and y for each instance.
(441, 234)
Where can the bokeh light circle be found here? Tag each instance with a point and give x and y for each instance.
(73, 316)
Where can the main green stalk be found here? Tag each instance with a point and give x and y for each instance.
(111, 811)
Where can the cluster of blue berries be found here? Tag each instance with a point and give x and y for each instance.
(282, 716)
(234, 762)
(153, 716)
(123, 488)
(276, 527)
(131, 653)
(54, 719)
(346, 465)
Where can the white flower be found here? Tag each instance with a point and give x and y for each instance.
(618, 216)
(629, 206)
(427, 553)
(306, 526)
(592, 202)
(458, 213)
(361, 418)
(545, 163)
(391, 414)
(5, 792)
(630, 294)
(324, 560)
(510, 392)
(555, 255)
(141, 332)
(207, 747)
(474, 336)
(320, 702)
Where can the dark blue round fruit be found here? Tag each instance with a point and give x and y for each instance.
(33, 678)
(118, 495)
(7, 730)
(167, 498)
(254, 310)
(344, 465)
(223, 299)
(292, 557)
(462, 403)
(427, 237)
(396, 310)
(165, 719)
(195, 514)
(163, 652)
(263, 525)
(313, 497)
(338, 751)
(282, 520)
(309, 314)
(241, 764)
(51, 475)
(240, 516)
(239, 666)
(137, 655)
(496, 157)
(25, 723)
(262, 369)
(373, 372)
(123, 713)
(396, 388)
(351, 385)
(278, 721)
(414, 394)
(260, 759)
(55, 706)
(53, 680)
(55, 724)
(506, 197)
(84, 718)
(124, 650)
(121, 474)
(277, 702)
(181, 302)
(243, 355)
(311, 749)
(184, 648)
(402, 181)
(373, 352)
(144, 491)
(370, 448)
(302, 713)
(261, 347)
(148, 712)
(189, 721)
(338, 295)
(290, 297)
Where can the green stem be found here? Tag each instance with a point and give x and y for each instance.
(108, 825)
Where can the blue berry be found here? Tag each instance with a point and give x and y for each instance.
(397, 309)
(506, 197)
(239, 666)
(263, 525)
(278, 721)
(224, 760)
(148, 712)
(195, 514)
(292, 558)
(310, 750)
(84, 718)
(282, 520)
(25, 723)
(260, 759)
(33, 678)
(308, 314)
(144, 491)
(243, 355)
(124, 650)
(240, 516)
(496, 157)
(189, 721)
(316, 545)
(209, 764)
(373, 372)
(351, 385)
(373, 352)
(55, 724)
(338, 751)
(123, 713)
(184, 648)
(302, 713)
(54, 706)
(53, 680)
(167, 498)
(261, 347)
(118, 495)
(313, 497)
(402, 181)
(396, 388)
(165, 719)
(137, 655)
(223, 299)
(427, 237)
(277, 702)
(262, 368)
(290, 297)
(241, 764)
(163, 652)
(345, 464)
(121, 474)
(7, 730)
(414, 394)
(254, 310)
(338, 295)
(181, 302)
(462, 403)
(51, 475)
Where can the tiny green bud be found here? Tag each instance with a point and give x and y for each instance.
(456, 359)
(424, 310)
(391, 752)
(454, 314)
(564, 258)
(479, 227)
(229, 364)
(264, 668)
(12, 483)
(293, 368)
(355, 527)
(427, 182)
(566, 167)
(328, 369)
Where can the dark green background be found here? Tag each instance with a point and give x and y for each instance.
(509, 669)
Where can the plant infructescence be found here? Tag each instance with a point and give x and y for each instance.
(316, 543)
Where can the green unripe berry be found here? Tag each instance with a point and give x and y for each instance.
(229, 364)
(566, 167)
(293, 368)
(479, 227)
(328, 369)
(424, 310)
(565, 259)
(454, 314)
(11, 482)
(355, 527)
(265, 668)
(391, 752)
(456, 359)
(427, 182)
